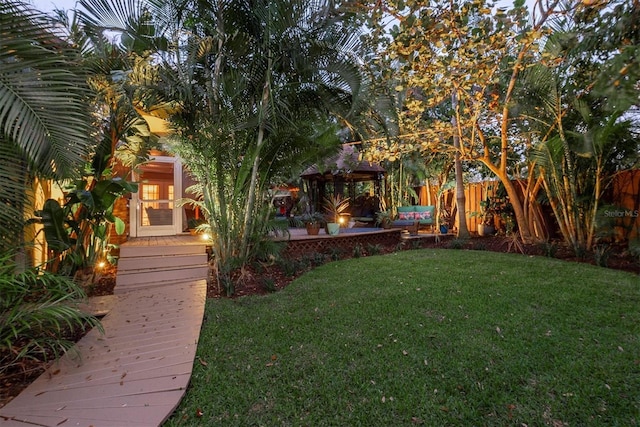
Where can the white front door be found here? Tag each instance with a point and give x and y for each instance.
(159, 185)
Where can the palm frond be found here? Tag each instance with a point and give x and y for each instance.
(130, 19)
(37, 89)
(13, 175)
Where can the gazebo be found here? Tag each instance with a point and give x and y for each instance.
(347, 175)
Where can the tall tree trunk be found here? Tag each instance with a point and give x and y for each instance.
(253, 184)
(542, 14)
(463, 231)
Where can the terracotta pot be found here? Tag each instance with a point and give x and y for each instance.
(313, 229)
(486, 230)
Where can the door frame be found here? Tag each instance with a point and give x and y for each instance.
(137, 229)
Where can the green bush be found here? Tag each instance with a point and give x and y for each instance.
(335, 253)
(456, 244)
(374, 249)
(288, 266)
(37, 311)
(549, 249)
(634, 250)
(601, 254)
(269, 284)
(357, 250)
(318, 258)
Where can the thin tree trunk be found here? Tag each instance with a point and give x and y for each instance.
(253, 184)
(596, 199)
(463, 231)
(518, 210)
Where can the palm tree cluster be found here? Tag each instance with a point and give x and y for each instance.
(44, 113)
(251, 90)
(261, 86)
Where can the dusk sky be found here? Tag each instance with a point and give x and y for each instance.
(49, 5)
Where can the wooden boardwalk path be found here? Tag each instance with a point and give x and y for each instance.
(137, 372)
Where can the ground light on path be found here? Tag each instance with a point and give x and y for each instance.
(425, 337)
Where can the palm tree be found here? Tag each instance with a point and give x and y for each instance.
(259, 83)
(44, 120)
(584, 146)
(44, 133)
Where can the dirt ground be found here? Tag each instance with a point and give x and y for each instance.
(261, 279)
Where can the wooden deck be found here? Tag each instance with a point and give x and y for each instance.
(133, 375)
(301, 234)
(179, 240)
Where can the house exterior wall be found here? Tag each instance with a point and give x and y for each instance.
(121, 210)
(41, 191)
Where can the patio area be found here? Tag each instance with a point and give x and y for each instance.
(300, 244)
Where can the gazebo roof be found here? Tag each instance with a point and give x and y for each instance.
(344, 166)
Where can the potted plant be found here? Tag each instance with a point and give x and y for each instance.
(335, 206)
(312, 222)
(446, 220)
(383, 219)
(486, 227)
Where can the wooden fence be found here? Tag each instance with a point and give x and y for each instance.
(474, 194)
(624, 199)
(621, 203)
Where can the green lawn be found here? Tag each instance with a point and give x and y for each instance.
(425, 337)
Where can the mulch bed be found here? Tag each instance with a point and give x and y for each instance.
(261, 279)
(252, 280)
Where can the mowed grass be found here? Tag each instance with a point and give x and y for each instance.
(425, 337)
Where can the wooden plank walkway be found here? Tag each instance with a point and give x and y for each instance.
(133, 375)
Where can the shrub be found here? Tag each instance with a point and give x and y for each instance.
(549, 249)
(335, 254)
(580, 252)
(479, 246)
(456, 244)
(269, 284)
(601, 254)
(374, 249)
(288, 266)
(357, 250)
(634, 250)
(37, 311)
(318, 258)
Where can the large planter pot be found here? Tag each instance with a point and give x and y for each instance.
(444, 229)
(313, 228)
(486, 230)
(333, 228)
